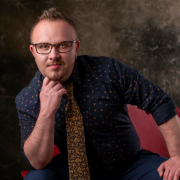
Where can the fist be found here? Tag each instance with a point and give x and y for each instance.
(50, 96)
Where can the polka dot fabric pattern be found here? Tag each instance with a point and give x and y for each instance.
(102, 88)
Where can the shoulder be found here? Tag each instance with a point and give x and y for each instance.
(100, 60)
(102, 64)
(32, 90)
(95, 59)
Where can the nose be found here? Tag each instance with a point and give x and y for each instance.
(54, 54)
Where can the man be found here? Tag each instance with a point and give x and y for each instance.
(92, 117)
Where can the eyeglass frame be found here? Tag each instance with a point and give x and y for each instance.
(75, 41)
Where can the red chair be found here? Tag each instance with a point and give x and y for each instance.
(56, 151)
(149, 133)
(178, 111)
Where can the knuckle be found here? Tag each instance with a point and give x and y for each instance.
(55, 93)
(159, 169)
(162, 164)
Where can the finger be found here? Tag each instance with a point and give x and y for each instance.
(166, 174)
(57, 87)
(53, 83)
(177, 175)
(171, 174)
(161, 169)
(62, 91)
(46, 81)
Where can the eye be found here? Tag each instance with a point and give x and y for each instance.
(43, 46)
(62, 45)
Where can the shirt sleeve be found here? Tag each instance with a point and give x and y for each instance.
(26, 124)
(28, 111)
(136, 89)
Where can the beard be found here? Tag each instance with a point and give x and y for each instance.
(55, 78)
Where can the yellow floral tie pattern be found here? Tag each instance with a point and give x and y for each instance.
(77, 157)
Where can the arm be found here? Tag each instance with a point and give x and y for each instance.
(171, 132)
(137, 90)
(39, 146)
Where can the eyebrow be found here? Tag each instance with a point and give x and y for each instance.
(50, 43)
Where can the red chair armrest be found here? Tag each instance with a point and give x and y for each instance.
(178, 111)
(23, 173)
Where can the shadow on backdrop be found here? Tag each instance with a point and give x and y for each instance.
(143, 34)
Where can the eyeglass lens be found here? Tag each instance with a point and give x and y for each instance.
(45, 48)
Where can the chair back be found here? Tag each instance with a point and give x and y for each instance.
(148, 131)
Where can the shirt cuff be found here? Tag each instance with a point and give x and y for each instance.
(164, 112)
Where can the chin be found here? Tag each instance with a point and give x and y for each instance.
(55, 78)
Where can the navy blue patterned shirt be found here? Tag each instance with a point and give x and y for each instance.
(102, 88)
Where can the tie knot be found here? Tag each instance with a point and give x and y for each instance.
(69, 88)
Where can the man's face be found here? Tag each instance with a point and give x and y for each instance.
(53, 32)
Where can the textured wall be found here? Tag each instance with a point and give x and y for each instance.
(142, 33)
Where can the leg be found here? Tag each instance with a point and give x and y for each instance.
(43, 174)
(57, 169)
(144, 168)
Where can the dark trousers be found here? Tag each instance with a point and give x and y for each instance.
(143, 168)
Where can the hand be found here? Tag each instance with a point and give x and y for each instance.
(170, 169)
(50, 96)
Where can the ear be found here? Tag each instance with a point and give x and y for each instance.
(77, 46)
(32, 49)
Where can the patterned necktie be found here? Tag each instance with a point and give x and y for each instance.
(77, 157)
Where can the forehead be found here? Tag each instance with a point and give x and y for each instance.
(53, 32)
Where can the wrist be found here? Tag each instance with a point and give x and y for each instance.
(47, 114)
(46, 119)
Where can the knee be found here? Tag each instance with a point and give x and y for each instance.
(43, 174)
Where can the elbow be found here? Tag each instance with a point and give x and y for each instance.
(39, 165)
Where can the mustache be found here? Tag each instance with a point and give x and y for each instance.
(56, 63)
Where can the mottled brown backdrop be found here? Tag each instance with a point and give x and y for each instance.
(142, 33)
